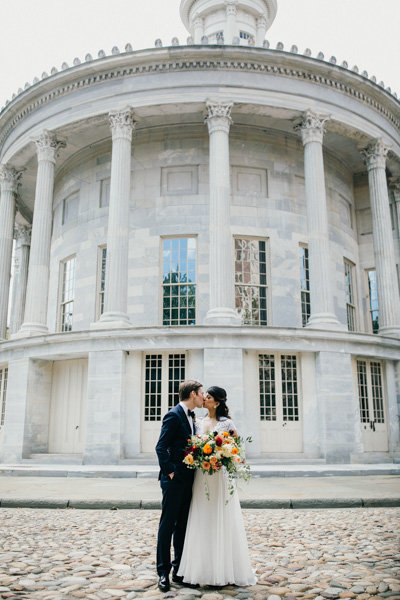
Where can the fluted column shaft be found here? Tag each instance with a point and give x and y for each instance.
(261, 30)
(385, 261)
(116, 285)
(222, 297)
(35, 318)
(322, 315)
(231, 22)
(198, 29)
(9, 183)
(23, 242)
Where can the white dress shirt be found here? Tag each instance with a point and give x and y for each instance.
(185, 408)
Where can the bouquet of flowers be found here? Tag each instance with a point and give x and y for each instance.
(216, 450)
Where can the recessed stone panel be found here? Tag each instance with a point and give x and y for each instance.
(249, 182)
(179, 180)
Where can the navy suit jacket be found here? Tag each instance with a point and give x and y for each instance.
(175, 432)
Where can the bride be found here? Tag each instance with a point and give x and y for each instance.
(215, 550)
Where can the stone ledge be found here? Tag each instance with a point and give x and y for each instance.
(301, 503)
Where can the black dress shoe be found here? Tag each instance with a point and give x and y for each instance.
(163, 583)
(192, 586)
(176, 578)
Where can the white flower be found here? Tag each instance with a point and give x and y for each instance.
(226, 450)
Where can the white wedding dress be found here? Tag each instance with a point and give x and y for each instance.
(215, 551)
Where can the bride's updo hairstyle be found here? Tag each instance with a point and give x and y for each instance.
(219, 395)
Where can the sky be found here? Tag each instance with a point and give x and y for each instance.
(39, 34)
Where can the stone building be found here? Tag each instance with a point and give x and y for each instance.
(217, 210)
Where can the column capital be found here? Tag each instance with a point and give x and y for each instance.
(262, 22)
(122, 123)
(219, 116)
(198, 21)
(231, 7)
(312, 127)
(48, 146)
(375, 154)
(22, 234)
(10, 179)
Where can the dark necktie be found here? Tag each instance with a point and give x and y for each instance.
(191, 414)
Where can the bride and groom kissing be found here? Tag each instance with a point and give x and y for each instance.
(207, 529)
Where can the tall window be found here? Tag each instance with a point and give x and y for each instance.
(370, 391)
(244, 35)
(278, 381)
(179, 281)
(251, 286)
(3, 394)
(373, 300)
(163, 374)
(304, 284)
(176, 374)
(101, 280)
(67, 281)
(350, 295)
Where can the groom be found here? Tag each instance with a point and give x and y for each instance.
(176, 480)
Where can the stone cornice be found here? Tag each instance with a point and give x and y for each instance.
(208, 58)
(251, 338)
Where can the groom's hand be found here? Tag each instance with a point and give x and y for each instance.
(171, 475)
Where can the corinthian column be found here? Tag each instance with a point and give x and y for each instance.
(22, 235)
(9, 179)
(222, 298)
(261, 30)
(116, 285)
(385, 261)
(231, 23)
(322, 314)
(198, 28)
(35, 319)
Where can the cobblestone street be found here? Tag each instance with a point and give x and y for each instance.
(96, 555)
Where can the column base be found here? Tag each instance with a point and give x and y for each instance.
(112, 320)
(30, 330)
(223, 316)
(393, 332)
(325, 321)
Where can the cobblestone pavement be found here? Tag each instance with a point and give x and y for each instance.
(96, 555)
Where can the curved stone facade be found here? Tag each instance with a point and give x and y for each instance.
(220, 212)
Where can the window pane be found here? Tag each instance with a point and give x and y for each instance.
(267, 387)
(377, 392)
(179, 268)
(251, 281)
(290, 401)
(363, 390)
(152, 400)
(304, 285)
(373, 300)
(67, 294)
(176, 374)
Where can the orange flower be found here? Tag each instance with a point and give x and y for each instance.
(234, 450)
(213, 460)
(205, 465)
(189, 440)
(215, 467)
(207, 449)
(225, 434)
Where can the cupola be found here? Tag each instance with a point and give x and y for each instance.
(230, 21)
